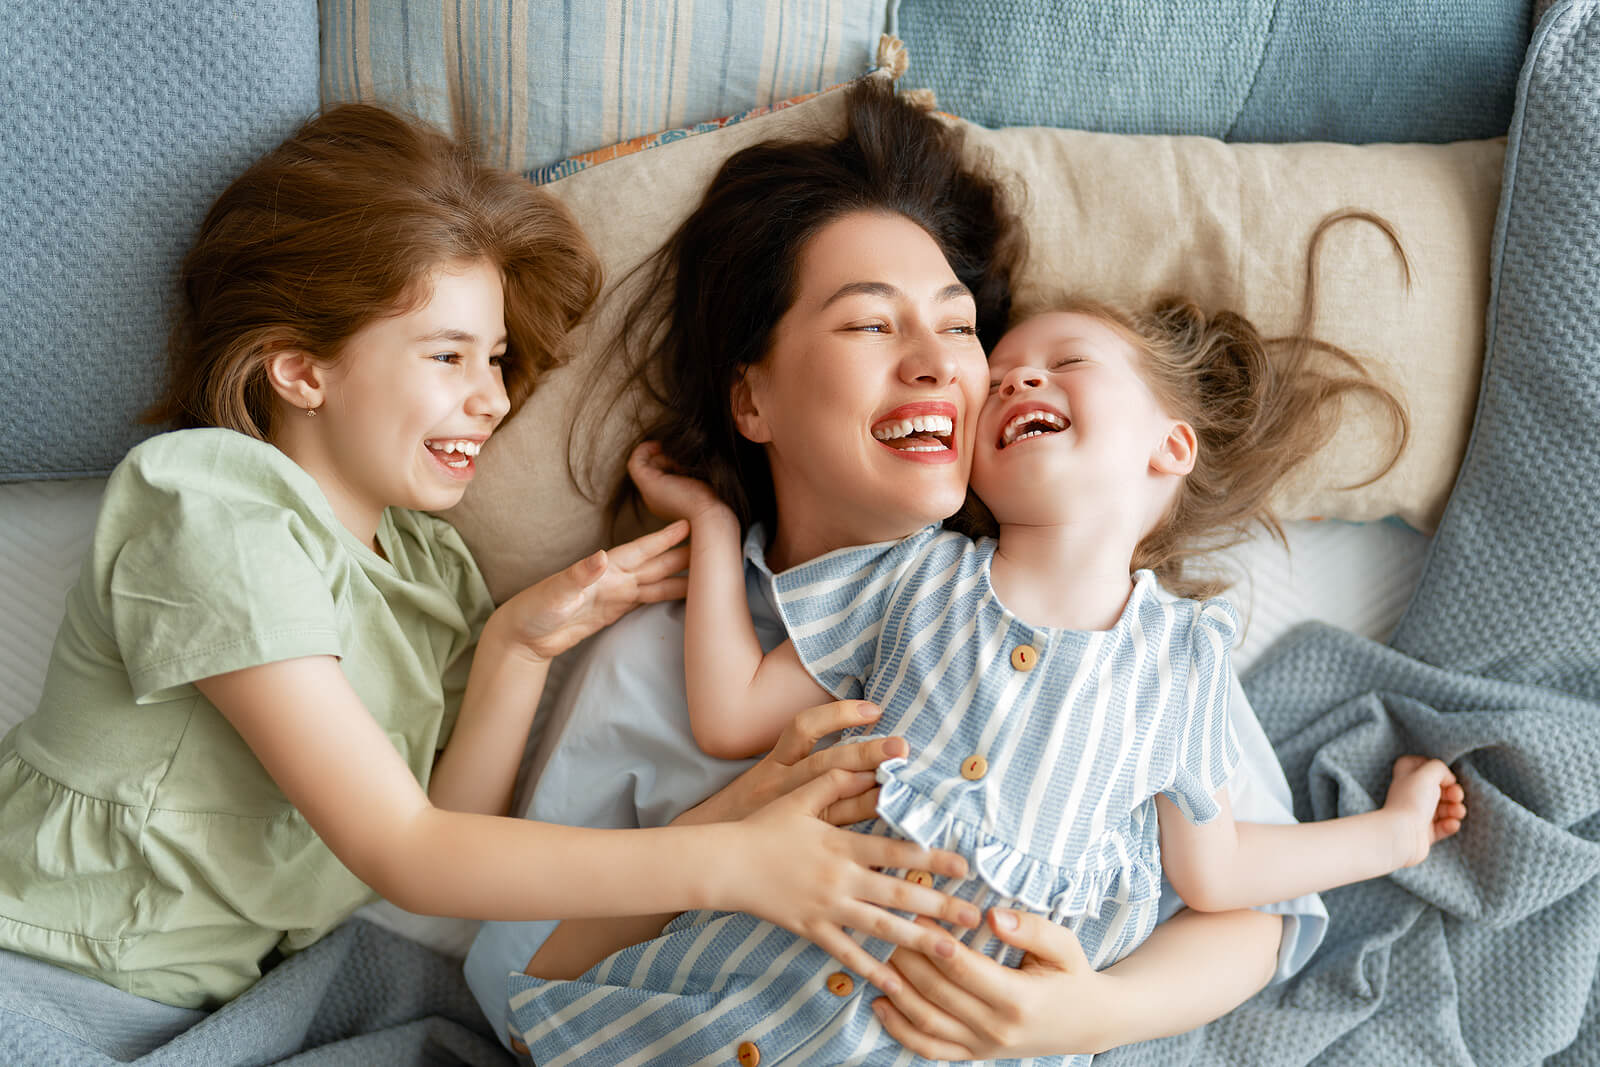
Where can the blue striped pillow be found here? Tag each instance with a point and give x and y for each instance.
(535, 83)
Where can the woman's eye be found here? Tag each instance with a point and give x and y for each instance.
(965, 329)
(872, 327)
(445, 357)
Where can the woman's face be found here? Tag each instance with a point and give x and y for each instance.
(867, 399)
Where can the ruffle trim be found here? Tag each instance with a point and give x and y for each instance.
(1111, 869)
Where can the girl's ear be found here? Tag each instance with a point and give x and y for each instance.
(1176, 453)
(297, 378)
(744, 400)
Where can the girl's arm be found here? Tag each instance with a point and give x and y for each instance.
(336, 765)
(578, 944)
(477, 769)
(740, 698)
(1222, 864)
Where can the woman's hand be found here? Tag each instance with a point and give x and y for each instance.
(813, 879)
(550, 617)
(966, 1006)
(667, 493)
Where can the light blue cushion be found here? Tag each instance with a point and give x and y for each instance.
(122, 122)
(1523, 524)
(535, 83)
(1244, 70)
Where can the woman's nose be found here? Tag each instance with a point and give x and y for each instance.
(927, 361)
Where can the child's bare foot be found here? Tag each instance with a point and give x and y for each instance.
(1428, 804)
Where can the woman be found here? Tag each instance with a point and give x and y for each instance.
(812, 477)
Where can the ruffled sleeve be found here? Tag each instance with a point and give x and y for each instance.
(1209, 751)
(834, 608)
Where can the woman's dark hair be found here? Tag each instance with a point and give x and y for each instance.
(715, 291)
(343, 223)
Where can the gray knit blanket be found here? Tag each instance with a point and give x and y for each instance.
(1487, 953)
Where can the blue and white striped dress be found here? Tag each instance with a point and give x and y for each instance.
(1039, 766)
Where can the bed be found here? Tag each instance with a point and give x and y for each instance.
(1450, 605)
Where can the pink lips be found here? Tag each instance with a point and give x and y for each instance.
(923, 407)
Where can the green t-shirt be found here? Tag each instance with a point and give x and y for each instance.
(142, 841)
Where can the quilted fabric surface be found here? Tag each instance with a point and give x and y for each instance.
(1243, 70)
(122, 122)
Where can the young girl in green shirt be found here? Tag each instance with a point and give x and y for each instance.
(280, 682)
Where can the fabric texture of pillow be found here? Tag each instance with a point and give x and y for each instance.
(1112, 216)
(535, 83)
(1356, 71)
(122, 123)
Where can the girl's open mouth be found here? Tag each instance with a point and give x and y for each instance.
(1031, 424)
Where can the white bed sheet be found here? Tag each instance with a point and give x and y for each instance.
(1357, 576)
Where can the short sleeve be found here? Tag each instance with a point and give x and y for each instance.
(197, 581)
(834, 608)
(1209, 751)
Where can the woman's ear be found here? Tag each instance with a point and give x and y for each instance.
(1177, 451)
(745, 402)
(297, 378)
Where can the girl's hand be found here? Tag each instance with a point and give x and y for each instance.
(966, 1006)
(816, 880)
(667, 493)
(1427, 803)
(548, 618)
(812, 879)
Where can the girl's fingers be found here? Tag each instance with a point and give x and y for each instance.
(902, 894)
(887, 926)
(665, 565)
(915, 1038)
(666, 589)
(631, 554)
(870, 850)
(851, 810)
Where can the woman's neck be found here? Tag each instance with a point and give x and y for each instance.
(1073, 576)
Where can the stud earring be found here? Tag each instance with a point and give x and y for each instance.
(311, 412)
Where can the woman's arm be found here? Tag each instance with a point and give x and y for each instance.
(1224, 864)
(740, 698)
(968, 1006)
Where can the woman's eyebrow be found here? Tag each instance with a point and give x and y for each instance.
(949, 292)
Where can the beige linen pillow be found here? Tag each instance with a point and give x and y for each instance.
(1116, 217)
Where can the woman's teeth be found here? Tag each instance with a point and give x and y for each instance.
(447, 450)
(936, 426)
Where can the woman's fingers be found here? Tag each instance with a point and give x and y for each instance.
(815, 723)
(916, 1037)
(665, 589)
(671, 562)
(935, 1005)
(926, 973)
(851, 810)
(1045, 942)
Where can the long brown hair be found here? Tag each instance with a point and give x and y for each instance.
(1260, 407)
(341, 224)
(715, 292)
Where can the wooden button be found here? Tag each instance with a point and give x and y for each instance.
(749, 1055)
(920, 877)
(974, 767)
(1024, 657)
(841, 984)
(519, 1046)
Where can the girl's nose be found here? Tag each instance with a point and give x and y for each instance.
(1019, 378)
(489, 395)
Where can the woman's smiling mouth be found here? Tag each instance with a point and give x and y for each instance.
(924, 430)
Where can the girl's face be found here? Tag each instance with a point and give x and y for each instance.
(1069, 423)
(412, 399)
(866, 400)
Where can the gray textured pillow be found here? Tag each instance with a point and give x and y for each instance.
(122, 123)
